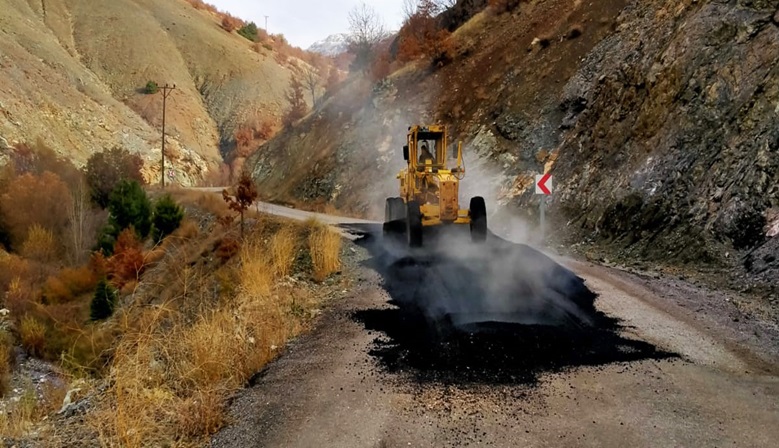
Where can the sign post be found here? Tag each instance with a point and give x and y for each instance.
(544, 189)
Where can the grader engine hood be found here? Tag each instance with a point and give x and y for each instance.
(447, 196)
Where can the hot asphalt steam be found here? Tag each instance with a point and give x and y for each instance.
(498, 312)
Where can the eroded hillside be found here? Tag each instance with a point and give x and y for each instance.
(657, 119)
(73, 75)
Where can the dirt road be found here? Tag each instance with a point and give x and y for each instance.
(650, 362)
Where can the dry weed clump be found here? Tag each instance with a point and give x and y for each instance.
(283, 246)
(33, 336)
(325, 247)
(257, 276)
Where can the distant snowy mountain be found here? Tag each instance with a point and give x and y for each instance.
(330, 46)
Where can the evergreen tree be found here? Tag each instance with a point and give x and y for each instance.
(167, 217)
(103, 302)
(129, 206)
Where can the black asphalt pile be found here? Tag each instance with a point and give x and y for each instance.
(492, 353)
(493, 313)
(452, 279)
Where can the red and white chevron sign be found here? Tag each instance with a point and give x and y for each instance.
(544, 184)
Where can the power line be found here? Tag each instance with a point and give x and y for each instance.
(166, 91)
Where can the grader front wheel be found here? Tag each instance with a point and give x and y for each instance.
(414, 224)
(478, 212)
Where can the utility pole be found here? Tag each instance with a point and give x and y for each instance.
(166, 91)
(266, 24)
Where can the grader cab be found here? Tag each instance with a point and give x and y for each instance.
(429, 188)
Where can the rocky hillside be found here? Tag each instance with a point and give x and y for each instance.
(73, 76)
(656, 117)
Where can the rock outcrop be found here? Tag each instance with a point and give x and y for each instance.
(676, 149)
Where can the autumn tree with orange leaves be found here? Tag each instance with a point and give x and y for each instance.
(244, 197)
(420, 36)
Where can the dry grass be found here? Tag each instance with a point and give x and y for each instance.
(6, 352)
(22, 415)
(174, 368)
(283, 247)
(33, 335)
(187, 230)
(325, 247)
(208, 201)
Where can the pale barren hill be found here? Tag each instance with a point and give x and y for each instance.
(72, 74)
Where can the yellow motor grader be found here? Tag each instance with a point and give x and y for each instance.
(429, 188)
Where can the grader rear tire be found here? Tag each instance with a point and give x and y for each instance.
(394, 209)
(414, 224)
(478, 212)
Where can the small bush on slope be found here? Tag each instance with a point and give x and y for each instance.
(167, 217)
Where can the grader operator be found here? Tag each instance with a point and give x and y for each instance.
(429, 188)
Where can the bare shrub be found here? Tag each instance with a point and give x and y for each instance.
(227, 248)
(35, 199)
(69, 284)
(230, 23)
(297, 102)
(40, 245)
(421, 36)
(127, 262)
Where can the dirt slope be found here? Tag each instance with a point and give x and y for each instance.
(656, 117)
(72, 74)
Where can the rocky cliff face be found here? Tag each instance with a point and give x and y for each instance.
(675, 148)
(656, 117)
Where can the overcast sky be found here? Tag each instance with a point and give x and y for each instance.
(304, 22)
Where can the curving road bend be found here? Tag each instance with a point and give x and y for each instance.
(505, 346)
